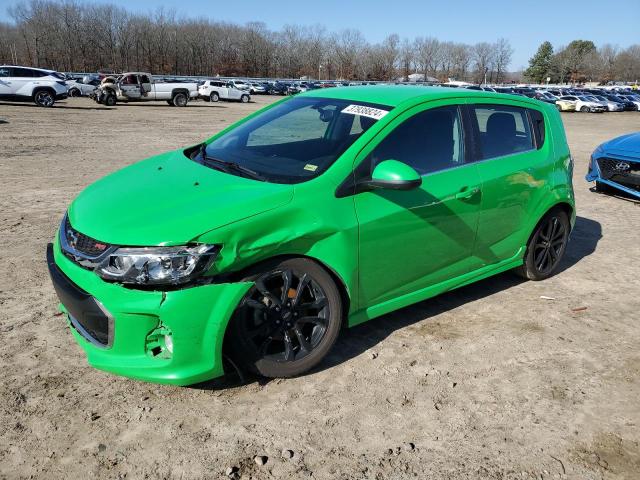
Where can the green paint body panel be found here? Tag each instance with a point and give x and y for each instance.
(387, 248)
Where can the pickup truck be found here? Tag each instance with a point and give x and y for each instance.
(141, 87)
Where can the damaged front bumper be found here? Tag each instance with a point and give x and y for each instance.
(172, 337)
(617, 171)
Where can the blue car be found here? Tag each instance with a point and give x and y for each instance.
(616, 165)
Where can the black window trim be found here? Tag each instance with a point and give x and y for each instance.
(476, 130)
(363, 171)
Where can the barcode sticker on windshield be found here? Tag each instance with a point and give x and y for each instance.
(370, 112)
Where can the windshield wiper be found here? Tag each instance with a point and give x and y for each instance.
(227, 166)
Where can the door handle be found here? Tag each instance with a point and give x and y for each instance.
(467, 193)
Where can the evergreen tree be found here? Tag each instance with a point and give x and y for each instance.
(540, 64)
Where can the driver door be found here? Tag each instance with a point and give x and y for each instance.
(414, 239)
(130, 87)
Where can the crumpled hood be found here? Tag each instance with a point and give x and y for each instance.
(624, 145)
(169, 200)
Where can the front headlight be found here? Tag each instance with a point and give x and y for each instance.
(157, 265)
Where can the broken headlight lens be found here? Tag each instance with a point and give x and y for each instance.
(157, 265)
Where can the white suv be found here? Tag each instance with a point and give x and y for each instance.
(44, 87)
(214, 90)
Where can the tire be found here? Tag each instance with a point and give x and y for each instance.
(74, 92)
(559, 108)
(110, 100)
(584, 109)
(279, 331)
(244, 98)
(180, 99)
(214, 97)
(546, 247)
(44, 98)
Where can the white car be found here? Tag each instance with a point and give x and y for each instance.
(239, 84)
(43, 87)
(256, 88)
(83, 87)
(583, 104)
(214, 90)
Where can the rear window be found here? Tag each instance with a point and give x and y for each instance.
(504, 130)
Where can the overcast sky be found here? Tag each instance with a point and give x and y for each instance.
(525, 23)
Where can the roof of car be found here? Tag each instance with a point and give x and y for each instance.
(394, 95)
(30, 68)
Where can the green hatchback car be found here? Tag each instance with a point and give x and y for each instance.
(318, 212)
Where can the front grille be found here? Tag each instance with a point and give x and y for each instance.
(83, 243)
(624, 172)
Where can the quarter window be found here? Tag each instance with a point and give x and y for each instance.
(429, 141)
(503, 130)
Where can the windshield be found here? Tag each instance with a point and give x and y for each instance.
(293, 141)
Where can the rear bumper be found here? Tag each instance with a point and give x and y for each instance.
(196, 318)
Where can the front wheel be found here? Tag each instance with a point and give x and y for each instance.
(244, 98)
(74, 92)
(288, 321)
(546, 246)
(110, 100)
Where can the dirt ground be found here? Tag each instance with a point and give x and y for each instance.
(491, 381)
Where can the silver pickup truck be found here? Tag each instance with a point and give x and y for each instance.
(141, 87)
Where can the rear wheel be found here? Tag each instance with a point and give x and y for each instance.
(74, 92)
(180, 99)
(546, 246)
(44, 98)
(214, 97)
(288, 320)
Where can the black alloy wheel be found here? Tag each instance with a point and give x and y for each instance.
(546, 246)
(288, 320)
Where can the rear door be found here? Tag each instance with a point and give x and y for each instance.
(514, 168)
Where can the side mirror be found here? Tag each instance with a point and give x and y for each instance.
(394, 175)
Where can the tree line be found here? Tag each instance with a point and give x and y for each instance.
(69, 36)
(581, 61)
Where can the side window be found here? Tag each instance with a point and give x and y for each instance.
(22, 73)
(5, 72)
(144, 79)
(504, 130)
(429, 141)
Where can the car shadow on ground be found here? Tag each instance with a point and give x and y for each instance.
(165, 105)
(619, 194)
(57, 105)
(357, 340)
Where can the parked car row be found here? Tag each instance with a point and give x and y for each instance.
(592, 100)
(44, 87)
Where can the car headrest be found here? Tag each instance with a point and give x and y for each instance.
(501, 123)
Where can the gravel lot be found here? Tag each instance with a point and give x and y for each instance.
(491, 381)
